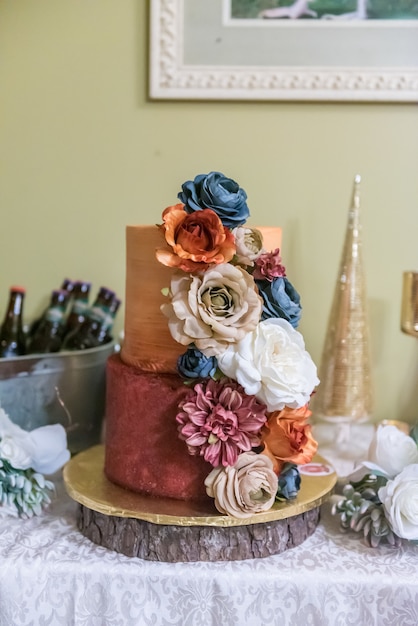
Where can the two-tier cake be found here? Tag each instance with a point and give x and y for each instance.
(208, 398)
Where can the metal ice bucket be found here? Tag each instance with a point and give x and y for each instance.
(65, 388)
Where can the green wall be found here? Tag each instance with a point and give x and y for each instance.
(83, 152)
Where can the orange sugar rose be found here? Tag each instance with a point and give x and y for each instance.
(287, 437)
(197, 240)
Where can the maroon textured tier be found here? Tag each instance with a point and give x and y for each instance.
(143, 450)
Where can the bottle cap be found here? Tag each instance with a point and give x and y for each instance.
(67, 285)
(61, 295)
(82, 284)
(107, 294)
(18, 289)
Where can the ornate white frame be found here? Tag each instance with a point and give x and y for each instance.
(171, 78)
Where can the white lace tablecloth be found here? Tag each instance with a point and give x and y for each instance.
(50, 575)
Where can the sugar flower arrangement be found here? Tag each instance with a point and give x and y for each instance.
(232, 307)
(24, 459)
(380, 498)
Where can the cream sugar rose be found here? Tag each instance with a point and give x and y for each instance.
(210, 393)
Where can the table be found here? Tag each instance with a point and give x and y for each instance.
(50, 574)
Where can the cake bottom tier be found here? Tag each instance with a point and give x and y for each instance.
(143, 451)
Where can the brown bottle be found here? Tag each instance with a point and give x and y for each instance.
(93, 331)
(68, 286)
(105, 334)
(12, 336)
(77, 315)
(49, 334)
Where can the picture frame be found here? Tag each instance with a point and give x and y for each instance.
(198, 52)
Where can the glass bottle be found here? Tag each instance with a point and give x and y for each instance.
(77, 315)
(87, 335)
(105, 334)
(12, 336)
(49, 334)
(68, 286)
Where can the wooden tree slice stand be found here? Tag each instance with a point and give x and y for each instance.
(159, 529)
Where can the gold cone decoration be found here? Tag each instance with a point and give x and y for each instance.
(409, 312)
(345, 391)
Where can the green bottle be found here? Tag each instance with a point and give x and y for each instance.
(77, 315)
(68, 286)
(49, 335)
(93, 330)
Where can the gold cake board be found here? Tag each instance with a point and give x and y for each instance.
(164, 529)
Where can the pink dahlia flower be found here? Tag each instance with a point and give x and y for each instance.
(218, 421)
(269, 266)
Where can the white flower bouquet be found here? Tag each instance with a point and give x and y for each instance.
(24, 459)
(380, 498)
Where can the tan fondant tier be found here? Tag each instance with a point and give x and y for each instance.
(148, 343)
(143, 450)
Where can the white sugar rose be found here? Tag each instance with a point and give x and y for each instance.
(243, 489)
(400, 500)
(271, 363)
(214, 309)
(15, 453)
(249, 244)
(49, 448)
(43, 449)
(7, 427)
(392, 450)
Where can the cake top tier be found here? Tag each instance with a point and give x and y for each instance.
(148, 343)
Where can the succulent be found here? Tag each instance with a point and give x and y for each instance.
(24, 492)
(375, 527)
(360, 510)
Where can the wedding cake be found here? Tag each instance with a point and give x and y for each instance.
(208, 397)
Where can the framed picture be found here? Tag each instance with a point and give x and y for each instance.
(358, 50)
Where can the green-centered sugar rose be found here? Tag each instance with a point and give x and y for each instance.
(212, 309)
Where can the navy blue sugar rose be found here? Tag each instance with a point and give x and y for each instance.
(289, 482)
(280, 299)
(194, 364)
(219, 193)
